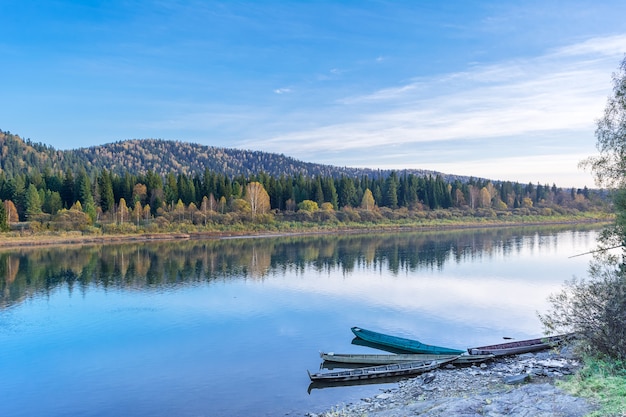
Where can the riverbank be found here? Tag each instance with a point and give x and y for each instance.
(30, 238)
(519, 386)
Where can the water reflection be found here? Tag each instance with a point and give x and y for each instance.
(26, 272)
(195, 327)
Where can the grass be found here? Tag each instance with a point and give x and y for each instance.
(24, 235)
(602, 381)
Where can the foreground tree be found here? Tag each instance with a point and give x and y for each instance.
(609, 167)
(596, 308)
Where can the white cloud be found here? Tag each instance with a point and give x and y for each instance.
(282, 90)
(562, 91)
(613, 46)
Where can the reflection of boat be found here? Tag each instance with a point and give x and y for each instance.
(380, 371)
(318, 384)
(382, 359)
(407, 345)
(520, 346)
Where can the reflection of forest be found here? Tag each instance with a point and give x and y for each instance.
(25, 272)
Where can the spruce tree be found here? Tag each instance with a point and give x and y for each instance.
(33, 202)
(4, 226)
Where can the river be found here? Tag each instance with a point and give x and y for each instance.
(230, 327)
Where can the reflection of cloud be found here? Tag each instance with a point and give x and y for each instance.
(476, 302)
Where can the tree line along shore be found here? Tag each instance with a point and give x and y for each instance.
(112, 203)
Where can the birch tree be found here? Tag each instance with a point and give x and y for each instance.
(367, 202)
(258, 198)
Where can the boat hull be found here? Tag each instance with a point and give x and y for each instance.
(383, 359)
(408, 345)
(380, 371)
(519, 347)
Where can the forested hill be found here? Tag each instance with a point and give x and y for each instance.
(138, 156)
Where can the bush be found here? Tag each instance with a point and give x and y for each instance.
(323, 216)
(369, 216)
(308, 205)
(595, 310)
(69, 220)
(349, 214)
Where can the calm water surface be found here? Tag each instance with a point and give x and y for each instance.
(229, 328)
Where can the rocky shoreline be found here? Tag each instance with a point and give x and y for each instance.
(519, 386)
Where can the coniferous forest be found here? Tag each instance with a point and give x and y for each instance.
(155, 185)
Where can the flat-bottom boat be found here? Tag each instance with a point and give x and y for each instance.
(383, 359)
(520, 346)
(380, 371)
(408, 345)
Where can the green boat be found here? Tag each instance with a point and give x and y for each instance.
(407, 345)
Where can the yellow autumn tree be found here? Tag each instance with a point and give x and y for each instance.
(484, 197)
(368, 202)
(258, 198)
(137, 212)
(122, 211)
(12, 216)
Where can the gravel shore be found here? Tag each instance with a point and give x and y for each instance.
(519, 386)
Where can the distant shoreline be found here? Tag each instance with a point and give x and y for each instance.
(40, 240)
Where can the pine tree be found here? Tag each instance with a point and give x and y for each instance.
(107, 199)
(391, 192)
(347, 192)
(33, 202)
(67, 189)
(319, 193)
(4, 225)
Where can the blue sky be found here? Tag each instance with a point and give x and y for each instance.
(508, 90)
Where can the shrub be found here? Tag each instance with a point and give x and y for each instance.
(350, 214)
(369, 216)
(308, 205)
(324, 216)
(70, 220)
(595, 309)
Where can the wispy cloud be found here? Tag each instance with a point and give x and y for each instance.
(562, 91)
(282, 90)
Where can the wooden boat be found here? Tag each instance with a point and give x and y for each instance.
(321, 384)
(407, 345)
(360, 342)
(383, 359)
(380, 371)
(520, 346)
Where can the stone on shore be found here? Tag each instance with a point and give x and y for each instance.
(521, 386)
